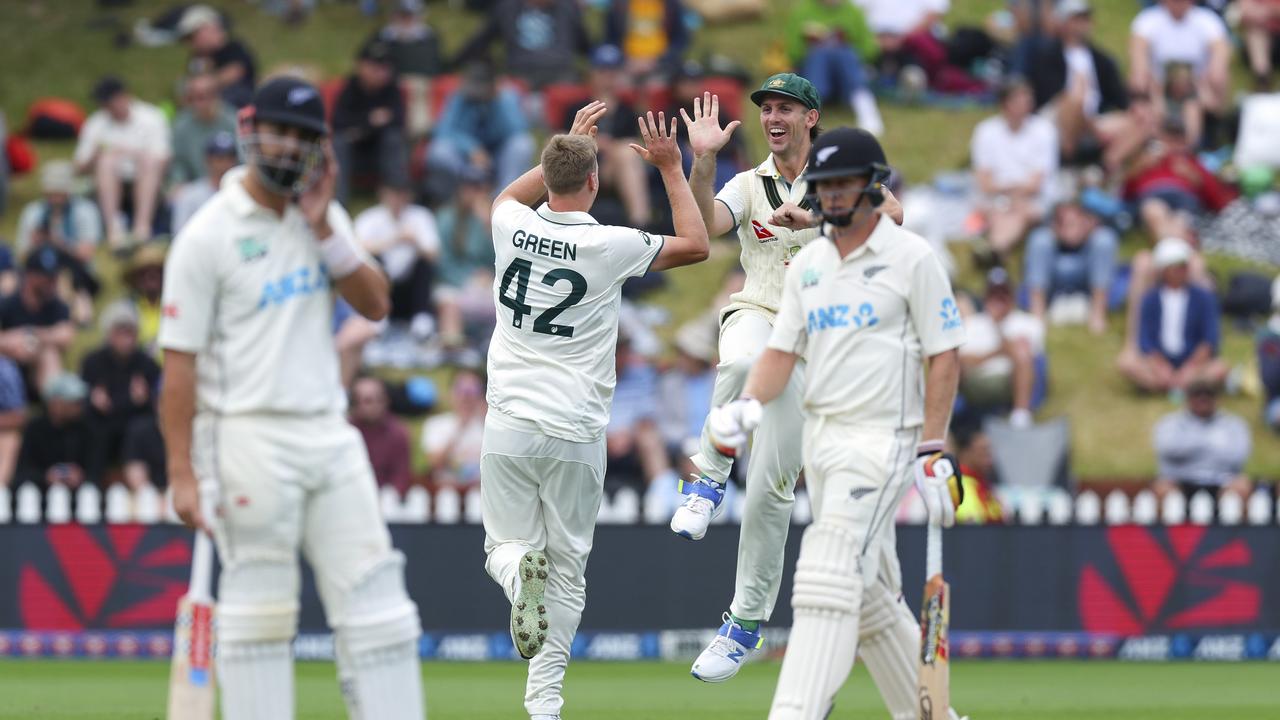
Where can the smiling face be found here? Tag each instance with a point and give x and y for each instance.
(786, 124)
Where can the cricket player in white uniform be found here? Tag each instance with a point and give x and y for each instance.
(760, 205)
(557, 287)
(253, 413)
(866, 305)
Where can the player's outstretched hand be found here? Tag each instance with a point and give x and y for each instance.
(793, 217)
(731, 424)
(705, 133)
(314, 203)
(660, 148)
(584, 122)
(938, 481)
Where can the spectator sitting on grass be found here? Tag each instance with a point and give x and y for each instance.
(369, 122)
(452, 440)
(1202, 447)
(57, 445)
(403, 237)
(1175, 31)
(203, 116)
(214, 51)
(1170, 186)
(35, 326)
(998, 358)
(828, 41)
(220, 155)
(1178, 328)
(124, 145)
(1259, 25)
(385, 435)
(122, 381)
(70, 225)
(1073, 255)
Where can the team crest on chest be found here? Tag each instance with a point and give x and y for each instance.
(251, 249)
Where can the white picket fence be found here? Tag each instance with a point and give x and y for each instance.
(87, 506)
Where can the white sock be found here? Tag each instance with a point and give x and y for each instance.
(383, 684)
(864, 106)
(256, 680)
(892, 658)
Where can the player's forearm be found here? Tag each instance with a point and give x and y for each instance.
(528, 189)
(940, 393)
(702, 178)
(367, 290)
(686, 216)
(770, 375)
(178, 409)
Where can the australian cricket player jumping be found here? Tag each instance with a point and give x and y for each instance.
(551, 377)
(866, 305)
(764, 205)
(253, 416)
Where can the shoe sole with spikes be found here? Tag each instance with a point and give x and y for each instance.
(529, 611)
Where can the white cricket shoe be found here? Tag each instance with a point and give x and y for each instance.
(544, 717)
(953, 715)
(529, 611)
(703, 500)
(724, 657)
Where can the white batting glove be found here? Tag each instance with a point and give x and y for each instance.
(938, 481)
(731, 424)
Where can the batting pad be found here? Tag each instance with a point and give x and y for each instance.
(889, 644)
(827, 600)
(376, 643)
(256, 680)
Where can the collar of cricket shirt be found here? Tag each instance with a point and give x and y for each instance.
(876, 242)
(769, 168)
(241, 202)
(573, 217)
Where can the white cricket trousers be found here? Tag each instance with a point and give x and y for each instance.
(542, 493)
(772, 468)
(848, 581)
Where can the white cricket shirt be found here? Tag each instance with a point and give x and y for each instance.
(864, 325)
(766, 249)
(1188, 40)
(246, 291)
(557, 288)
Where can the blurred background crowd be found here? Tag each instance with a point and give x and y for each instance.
(1099, 177)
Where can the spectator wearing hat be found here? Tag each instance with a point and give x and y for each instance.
(144, 278)
(414, 46)
(1178, 327)
(1075, 254)
(828, 41)
(1179, 31)
(122, 380)
(60, 219)
(368, 123)
(464, 274)
(220, 155)
(1268, 348)
(542, 40)
(124, 145)
(214, 51)
(1202, 447)
(652, 36)
(452, 440)
(1077, 84)
(623, 174)
(998, 361)
(482, 126)
(203, 116)
(385, 435)
(404, 238)
(35, 325)
(57, 445)
(1015, 159)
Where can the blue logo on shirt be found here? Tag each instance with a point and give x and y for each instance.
(842, 316)
(300, 282)
(950, 314)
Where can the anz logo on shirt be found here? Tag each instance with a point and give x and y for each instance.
(842, 316)
(950, 314)
(299, 283)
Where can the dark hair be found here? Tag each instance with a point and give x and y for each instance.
(816, 130)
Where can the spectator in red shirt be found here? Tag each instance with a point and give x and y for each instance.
(1170, 186)
(384, 434)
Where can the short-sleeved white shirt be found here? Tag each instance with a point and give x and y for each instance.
(146, 131)
(1013, 157)
(557, 288)
(984, 336)
(866, 323)
(379, 233)
(766, 249)
(246, 290)
(1171, 40)
(898, 17)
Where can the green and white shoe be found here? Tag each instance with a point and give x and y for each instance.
(529, 611)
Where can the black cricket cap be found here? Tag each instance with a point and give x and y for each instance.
(290, 101)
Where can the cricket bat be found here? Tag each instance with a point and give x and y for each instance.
(935, 619)
(191, 681)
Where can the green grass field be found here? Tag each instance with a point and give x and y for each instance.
(1046, 690)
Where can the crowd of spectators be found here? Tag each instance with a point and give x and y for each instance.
(1075, 156)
